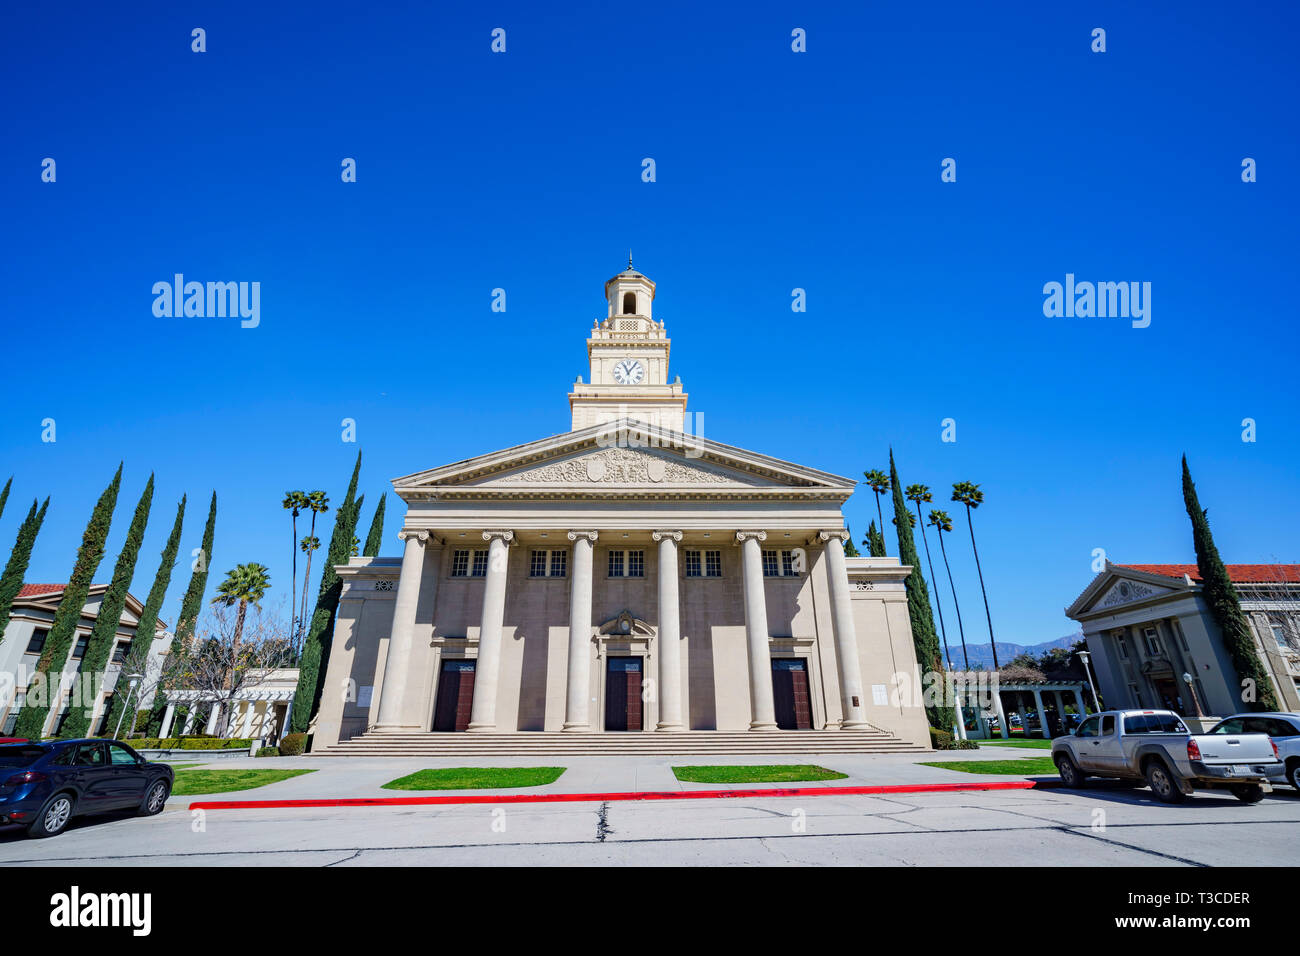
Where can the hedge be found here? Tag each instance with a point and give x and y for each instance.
(293, 745)
(190, 743)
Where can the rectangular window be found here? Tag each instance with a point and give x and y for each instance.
(479, 569)
(1152, 641)
(692, 564)
(616, 564)
(79, 651)
(548, 564)
(459, 563)
(120, 650)
(636, 564)
(779, 564)
(713, 564)
(37, 643)
(1279, 635)
(1121, 644)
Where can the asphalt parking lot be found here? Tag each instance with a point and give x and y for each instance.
(1103, 825)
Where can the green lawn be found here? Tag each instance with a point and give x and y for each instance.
(476, 778)
(769, 773)
(1028, 767)
(1032, 743)
(189, 782)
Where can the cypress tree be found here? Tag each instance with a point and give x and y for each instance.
(11, 582)
(103, 632)
(145, 630)
(36, 704)
(315, 650)
(941, 716)
(4, 495)
(1221, 597)
(875, 542)
(850, 549)
(191, 604)
(375, 539)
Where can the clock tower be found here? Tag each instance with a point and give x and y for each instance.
(628, 352)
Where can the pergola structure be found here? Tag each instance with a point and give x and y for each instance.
(1046, 700)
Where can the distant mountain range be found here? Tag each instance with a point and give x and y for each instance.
(981, 655)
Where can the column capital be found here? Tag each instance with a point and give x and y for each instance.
(836, 533)
(589, 535)
(742, 536)
(661, 535)
(506, 536)
(419, 534)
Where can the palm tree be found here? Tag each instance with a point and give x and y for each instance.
(878, 481)
(318, 504)
(296, 502)
(245, 584)
(919, 493)
(943, 523)
(308, 544)
(969, 494)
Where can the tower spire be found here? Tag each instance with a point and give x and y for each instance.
(629, 260)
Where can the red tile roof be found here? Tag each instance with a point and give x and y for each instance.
(32, 590)
(1237, 573)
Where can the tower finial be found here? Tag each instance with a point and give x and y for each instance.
(629, 260)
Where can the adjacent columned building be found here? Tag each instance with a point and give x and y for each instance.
(624, 576)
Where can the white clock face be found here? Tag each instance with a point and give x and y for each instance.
(628, 372)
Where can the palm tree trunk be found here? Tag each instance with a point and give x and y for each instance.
(992, 641)
(880, 515)
(234, 644)
(293, 588)
(306, 577)
(937, 602)
(960, 630)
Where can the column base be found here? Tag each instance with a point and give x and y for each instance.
(763, 725)
(854, 725)
(582, 728)
(671, 728)
(396, 729)
(481, 729)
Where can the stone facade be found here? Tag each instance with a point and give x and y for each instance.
(561, 575)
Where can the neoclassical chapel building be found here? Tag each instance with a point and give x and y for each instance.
(623, 576)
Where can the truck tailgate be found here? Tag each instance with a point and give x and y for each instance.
(1220, 749)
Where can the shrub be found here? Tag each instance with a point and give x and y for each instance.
(268, 752)
(940, 739)
(293, 745)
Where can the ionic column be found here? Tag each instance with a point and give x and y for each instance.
(846, 639)
(760, 658)
(579, 688)
(401, 640)
(483, 715)
(670, 649)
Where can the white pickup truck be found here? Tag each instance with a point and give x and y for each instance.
(1155, 746)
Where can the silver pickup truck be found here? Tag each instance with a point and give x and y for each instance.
(1155, 746)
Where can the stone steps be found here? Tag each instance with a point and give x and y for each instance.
(528, 744)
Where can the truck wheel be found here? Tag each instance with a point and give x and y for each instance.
(1070, 773)
(1162, 783)
(1293, 774)
(1248, 792)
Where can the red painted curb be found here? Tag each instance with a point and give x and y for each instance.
(610, 797)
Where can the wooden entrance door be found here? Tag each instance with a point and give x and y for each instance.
(455, 695)
(623, 693)
(790, 694)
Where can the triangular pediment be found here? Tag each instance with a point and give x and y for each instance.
(620, 458)
(1116, 587)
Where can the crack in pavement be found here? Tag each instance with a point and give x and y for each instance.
(602, 823)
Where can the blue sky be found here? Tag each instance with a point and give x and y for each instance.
(775, 170)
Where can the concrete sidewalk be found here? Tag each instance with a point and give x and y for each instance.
(365, 776)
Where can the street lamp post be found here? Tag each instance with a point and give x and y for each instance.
(1083, 656)
(133, 680)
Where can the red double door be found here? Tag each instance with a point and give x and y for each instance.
(790, 696)
(623, 693)
(455, 696)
